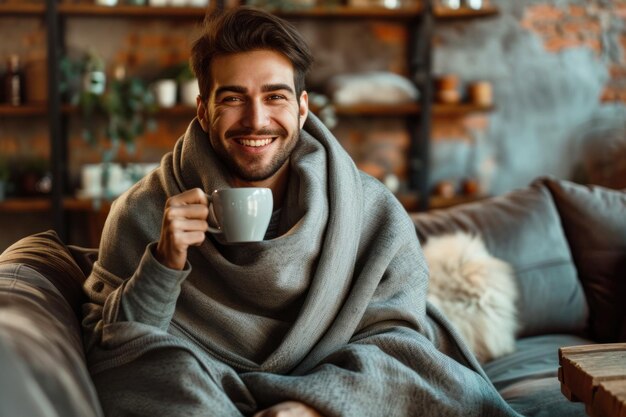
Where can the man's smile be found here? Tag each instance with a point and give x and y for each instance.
(254, 142)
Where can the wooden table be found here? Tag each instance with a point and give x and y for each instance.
(596, 376)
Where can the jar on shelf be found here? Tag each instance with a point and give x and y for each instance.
(14, 82)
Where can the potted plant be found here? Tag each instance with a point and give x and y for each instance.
(127, 106)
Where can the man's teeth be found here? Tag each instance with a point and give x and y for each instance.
(255, 143)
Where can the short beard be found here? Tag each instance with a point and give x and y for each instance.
(243, 172)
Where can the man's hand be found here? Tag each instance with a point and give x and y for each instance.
(289, 409)
(184, 225)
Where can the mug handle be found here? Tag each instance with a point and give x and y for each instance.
(211, 228)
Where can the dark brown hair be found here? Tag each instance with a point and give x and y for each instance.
(244, 29)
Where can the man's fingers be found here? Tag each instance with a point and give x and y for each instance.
(193, 196)
(193, 211)
(189, 225)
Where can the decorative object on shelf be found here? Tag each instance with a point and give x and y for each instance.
(375, 87)
(106, 2)
(450, 4)
(157, 3)
(189, 91)
(480, 93)
(165, 92)
(473, 4)
(118, 178)
(187, 85)
(445, 189)
(14, 82)
(198, 3)
(447, 89)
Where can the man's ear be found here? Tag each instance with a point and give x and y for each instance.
(202, 113)
(303, 107)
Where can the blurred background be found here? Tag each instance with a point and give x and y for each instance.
(445, 102)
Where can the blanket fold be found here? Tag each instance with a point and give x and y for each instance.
(333, 312)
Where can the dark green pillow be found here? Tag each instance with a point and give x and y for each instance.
(594, 221)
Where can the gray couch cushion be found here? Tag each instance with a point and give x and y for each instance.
(45, 253)
(523, 228)
(41, 353)
(594, 220)
(527, 379)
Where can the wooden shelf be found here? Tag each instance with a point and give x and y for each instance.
(43, 204)
(408, 109)
(461, 109)
(178, 110)
(443, 13)
(21, 9)
(347, 12)
(25, 205)
(378, 110)
(92, 10)
(25, 110)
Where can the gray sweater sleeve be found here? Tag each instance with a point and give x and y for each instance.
(150, 295)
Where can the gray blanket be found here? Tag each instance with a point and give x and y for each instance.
(332, 313)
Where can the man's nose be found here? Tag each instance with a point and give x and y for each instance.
(257, 115)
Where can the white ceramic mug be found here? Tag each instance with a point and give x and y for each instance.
(165, 92)
(242, 214)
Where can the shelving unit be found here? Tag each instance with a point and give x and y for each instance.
(419, 20)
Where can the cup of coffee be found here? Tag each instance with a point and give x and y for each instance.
(242, 214)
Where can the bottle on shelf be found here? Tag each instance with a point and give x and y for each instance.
(14, 82)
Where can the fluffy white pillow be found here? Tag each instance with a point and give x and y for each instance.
(475, 291)
(376, 87)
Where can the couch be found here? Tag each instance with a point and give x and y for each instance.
(565, 242)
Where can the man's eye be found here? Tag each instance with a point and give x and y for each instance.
(277, 97)
(231, 99)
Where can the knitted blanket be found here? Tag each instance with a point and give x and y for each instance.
(332, 313)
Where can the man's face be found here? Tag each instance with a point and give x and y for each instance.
(252, 114)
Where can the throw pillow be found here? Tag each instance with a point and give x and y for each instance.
(594, 220)
(476, 291)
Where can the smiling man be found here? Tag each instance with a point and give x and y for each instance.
(325, 317)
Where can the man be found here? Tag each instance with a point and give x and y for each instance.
(326, 317)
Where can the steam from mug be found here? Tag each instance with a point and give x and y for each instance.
(242, 214)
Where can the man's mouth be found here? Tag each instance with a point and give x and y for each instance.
(255, 143)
